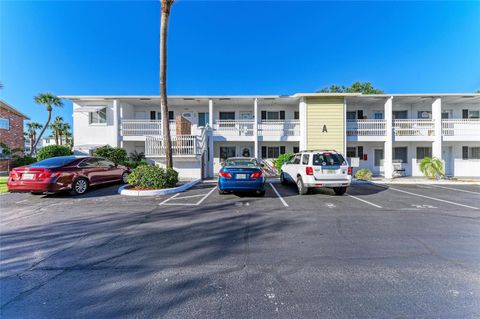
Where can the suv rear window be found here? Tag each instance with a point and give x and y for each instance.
(328, 159)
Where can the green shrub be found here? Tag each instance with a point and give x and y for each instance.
(117, 155)
(22, 161)
(134, 164)
(282, 159)
(152, 176)
(432, 167)
(53, 151)
(364, 174)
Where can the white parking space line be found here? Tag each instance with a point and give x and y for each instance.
(175, 197)
(208, 194)
(279, 196)
(433, 198)
(365, 201)
(456, 189)
(162, 203)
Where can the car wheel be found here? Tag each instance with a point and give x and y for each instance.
(283, 180)
(339, 190)
(302, 190)
(124, 177)
(260, 193)
(79, 186)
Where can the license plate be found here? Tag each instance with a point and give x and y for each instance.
(329, 171)
(241, 176)
(28, 176)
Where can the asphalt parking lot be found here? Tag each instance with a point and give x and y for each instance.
(403, 251)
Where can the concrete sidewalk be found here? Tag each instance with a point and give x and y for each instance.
(410, 180)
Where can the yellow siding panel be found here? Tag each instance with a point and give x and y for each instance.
(326, 123)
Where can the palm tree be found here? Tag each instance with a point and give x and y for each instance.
(56, 128)
(164, 14)
(432, 167)
(48, 100)
(32, 128)
(64, 131)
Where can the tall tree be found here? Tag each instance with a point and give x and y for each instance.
(356, 87)
(64, 133)
(56, 127)
(49, 101)
(32, 128)
(164, 15)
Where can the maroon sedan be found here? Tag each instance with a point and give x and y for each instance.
(65, 173)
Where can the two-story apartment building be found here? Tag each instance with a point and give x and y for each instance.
(388, 133)
(11, 131)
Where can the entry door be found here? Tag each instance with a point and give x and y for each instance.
(447, 157)
(140, 115)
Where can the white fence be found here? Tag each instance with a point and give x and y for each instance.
(279, 128)
(461, 127)
(181, 145)
(233, 127)
(143, 127)
(365, 127)
(413, 127)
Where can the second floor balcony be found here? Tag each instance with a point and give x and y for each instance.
(366, 130)
(141, 128)
(413, 129)
(461, 129)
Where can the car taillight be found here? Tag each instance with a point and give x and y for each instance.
(309, 170)
(349, 171)
(256, 175)
(14, 174)
(225, 174)
(48, 174)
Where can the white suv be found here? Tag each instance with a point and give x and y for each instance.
(315, 169)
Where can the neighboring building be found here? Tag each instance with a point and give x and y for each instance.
(45, 141)
(388, 133)
(11, 130)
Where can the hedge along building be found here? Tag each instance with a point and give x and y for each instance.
(386, 133)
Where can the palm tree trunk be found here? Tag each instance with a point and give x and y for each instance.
(42, 131)
(165, 12)
(32, 139)
(55, 133)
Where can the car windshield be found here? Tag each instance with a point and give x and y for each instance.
(240, 162)
(54, 162)
(328, 159)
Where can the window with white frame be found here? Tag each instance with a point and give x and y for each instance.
(99, 117)
(272, 151)
(470, 152)
(378, 115)
(351, 152)
(400, 154)
(473, 114)
(4, 123)
(272, 115)
(378, 157)
(423, 152)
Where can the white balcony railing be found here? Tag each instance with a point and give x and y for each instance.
(233, 127)
(182, 145)
(461, 127)
(279, 128)
(413, 127)
(143, 127)
(365, 127)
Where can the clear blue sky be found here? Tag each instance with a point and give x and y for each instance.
(111, 47)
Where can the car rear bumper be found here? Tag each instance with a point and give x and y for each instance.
(318, 183)
(255, 185)
(46, 186)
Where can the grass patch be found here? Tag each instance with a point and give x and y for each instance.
(3, 184)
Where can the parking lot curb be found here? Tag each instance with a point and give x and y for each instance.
(156, 192)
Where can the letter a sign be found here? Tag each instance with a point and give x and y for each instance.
(324, 130)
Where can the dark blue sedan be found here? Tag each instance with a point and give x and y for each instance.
(241, 174)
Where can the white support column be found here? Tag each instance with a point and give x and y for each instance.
(120, 112)
(437, 124)
(255, 127)
(210, 139)
(116, 122)
(388, 146)
(302, 109)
